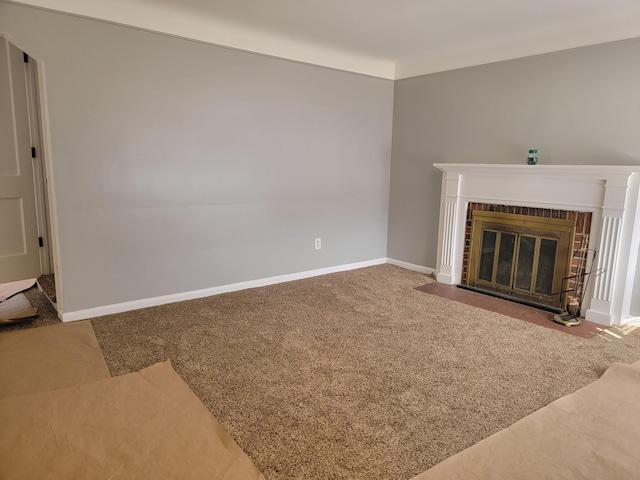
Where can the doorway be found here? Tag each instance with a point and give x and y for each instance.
(25, 226)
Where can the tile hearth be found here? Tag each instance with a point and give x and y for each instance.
(511, 309)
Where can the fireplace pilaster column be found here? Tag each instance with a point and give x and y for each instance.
(449, 262)
(604, 297)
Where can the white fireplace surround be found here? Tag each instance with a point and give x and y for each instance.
(611, 193)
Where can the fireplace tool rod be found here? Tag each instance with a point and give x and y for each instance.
(566, 318)
(570, 316)
(573, 306)
(588, 276)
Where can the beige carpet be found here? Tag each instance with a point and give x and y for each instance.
(48, 285)
(356, 375)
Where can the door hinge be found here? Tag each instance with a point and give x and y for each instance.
(33, 152)
(41, 241)
(25, 57)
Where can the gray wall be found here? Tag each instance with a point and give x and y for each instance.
(181, 166)
(576, 107)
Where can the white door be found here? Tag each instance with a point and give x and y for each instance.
(19, 244)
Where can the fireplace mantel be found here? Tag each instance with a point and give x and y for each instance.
(611, 193)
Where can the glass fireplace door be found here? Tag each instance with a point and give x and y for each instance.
(517, 257)
(513, 261)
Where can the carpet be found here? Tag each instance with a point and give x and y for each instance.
(356, 375)
(48, 285)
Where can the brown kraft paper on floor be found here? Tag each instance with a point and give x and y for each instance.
(16, 309)
(142, 425)
(11, 288)
(46, 358)
(593, 433)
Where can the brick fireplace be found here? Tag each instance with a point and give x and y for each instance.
(602, 201)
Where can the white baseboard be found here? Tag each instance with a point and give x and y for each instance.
(598, 317)
(411, 266)
(208, 292)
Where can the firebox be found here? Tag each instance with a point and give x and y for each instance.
(524, 257)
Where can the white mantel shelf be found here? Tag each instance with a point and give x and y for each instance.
(609, 192)
(592, 171)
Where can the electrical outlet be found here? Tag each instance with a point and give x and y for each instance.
(318, 243)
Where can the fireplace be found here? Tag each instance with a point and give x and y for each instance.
(599, 211)
(533, 255)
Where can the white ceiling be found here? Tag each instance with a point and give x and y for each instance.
(383, 38)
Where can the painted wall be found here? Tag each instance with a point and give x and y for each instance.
(181, 166)
(576, 107)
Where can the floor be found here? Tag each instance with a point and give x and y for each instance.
(355, 375)
(512, 309)
(48, 285)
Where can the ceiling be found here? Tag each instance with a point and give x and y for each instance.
(383, 38)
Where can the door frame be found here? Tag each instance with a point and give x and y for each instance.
(46, 210)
